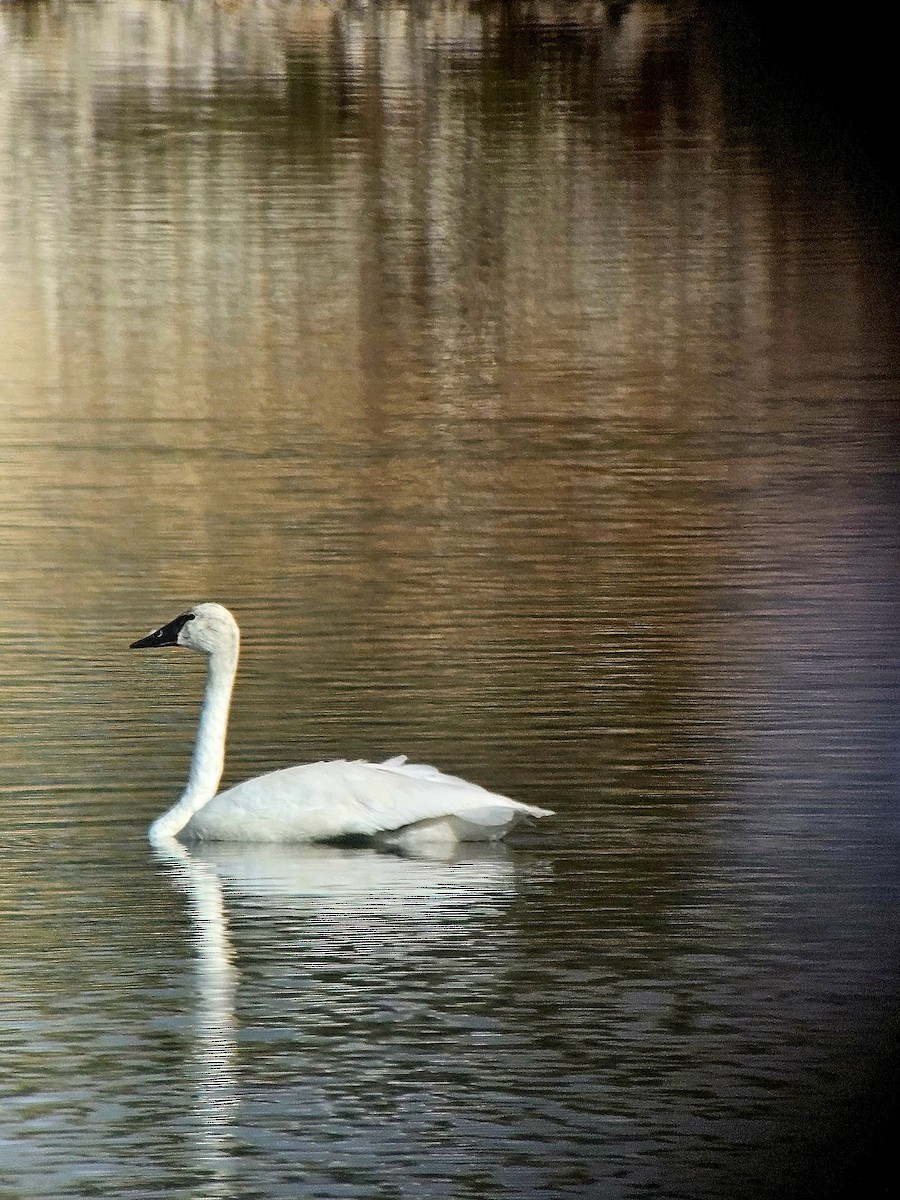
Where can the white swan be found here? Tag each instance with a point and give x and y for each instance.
(393, 801)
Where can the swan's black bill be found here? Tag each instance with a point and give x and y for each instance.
(166, 636)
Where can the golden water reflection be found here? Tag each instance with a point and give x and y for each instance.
(406, 322)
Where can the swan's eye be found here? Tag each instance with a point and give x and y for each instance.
(179, 623)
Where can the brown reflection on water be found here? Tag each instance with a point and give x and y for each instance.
(414, 324)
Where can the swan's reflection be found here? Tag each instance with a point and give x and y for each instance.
(214, 1057)
(389, 908)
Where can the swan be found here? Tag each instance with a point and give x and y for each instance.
(396, 802)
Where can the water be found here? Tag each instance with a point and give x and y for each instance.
(525, 379)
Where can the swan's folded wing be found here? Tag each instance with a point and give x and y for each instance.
(378, 798)
(458, 795)
(320, 801)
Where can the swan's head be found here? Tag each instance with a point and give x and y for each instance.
(205, 627)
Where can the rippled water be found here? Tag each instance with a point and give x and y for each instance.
(525, 378)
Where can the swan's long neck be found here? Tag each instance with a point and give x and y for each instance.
(208, 760)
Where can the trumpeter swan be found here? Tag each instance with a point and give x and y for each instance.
(393, 801)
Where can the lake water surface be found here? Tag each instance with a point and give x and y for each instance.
(525, 378)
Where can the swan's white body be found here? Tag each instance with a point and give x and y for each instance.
(393, 801)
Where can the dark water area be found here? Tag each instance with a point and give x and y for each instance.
(829, 81)
(525, 378)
